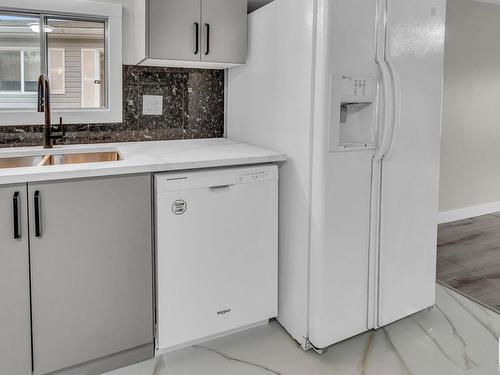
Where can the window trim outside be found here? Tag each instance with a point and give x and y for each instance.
(82, 10)
(97, 65)
(49, 57)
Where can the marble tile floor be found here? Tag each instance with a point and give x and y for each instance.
(469, 258)
(457, 336)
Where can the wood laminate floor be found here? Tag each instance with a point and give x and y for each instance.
(469, 258)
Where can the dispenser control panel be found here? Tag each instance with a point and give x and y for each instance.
(358, 86)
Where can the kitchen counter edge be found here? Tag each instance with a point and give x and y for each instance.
(140, 157)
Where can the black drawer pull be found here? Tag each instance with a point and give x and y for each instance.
(208, 39)
(197, 31)
(15, 210)
(38, 229)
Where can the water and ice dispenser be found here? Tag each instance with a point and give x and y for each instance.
(354, 113)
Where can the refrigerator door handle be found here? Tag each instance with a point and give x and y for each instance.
(388, 109)
(397, 108)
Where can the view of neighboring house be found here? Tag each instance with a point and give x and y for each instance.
(76, 61)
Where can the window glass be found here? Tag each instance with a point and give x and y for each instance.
(31, 70)
(78, 72)
(10, 70)
(19, 60)
(57, 72)
(75, 54)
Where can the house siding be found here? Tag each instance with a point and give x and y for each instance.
(72, 98)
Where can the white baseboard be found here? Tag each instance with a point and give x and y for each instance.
(467, 212)
(160, 351)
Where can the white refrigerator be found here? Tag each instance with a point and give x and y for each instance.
(351, 91)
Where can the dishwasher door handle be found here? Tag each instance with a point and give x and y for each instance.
(221, 187)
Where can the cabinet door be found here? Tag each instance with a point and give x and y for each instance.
(91, 269)
(224, 32)
(174, 29)
(15, 341)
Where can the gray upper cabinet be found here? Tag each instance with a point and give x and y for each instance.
(191, 33)
(15, 341)
(174, 29)
(224, 33)
(91, 270)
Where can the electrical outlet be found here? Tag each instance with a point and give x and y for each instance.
(152, 105)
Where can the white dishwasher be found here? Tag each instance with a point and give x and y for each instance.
(217, 252)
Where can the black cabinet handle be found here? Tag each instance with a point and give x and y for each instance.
(38, 230)
(197, 30)
(208, 38)
(15, 210)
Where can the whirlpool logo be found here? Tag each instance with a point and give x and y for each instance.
(223, 312)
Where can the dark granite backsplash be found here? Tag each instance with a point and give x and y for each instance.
(193, 107)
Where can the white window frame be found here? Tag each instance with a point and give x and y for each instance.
(113, 14)
(21, 51)
(63, 91)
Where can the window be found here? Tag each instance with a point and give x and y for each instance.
(74, 65)
(91, 78)
(19, 70)
(57, 71)
(19, 61)
(31, 69)
(78, 44)
(10, 71)
(75, 51)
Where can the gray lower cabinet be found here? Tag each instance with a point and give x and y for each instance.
(15, 341)
(91, 273)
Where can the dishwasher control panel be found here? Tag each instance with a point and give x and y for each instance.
(171, 181)
(254, 176)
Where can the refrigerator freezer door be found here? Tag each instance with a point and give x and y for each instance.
(341, 181)
(217, 252)
(410, 169)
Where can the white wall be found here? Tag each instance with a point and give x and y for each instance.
(470, 161)
(128, 29)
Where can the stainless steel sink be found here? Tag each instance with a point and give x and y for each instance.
(58, 159)
(20, 161)
(84, 157)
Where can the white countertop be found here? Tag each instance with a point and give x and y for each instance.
(140, 157)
